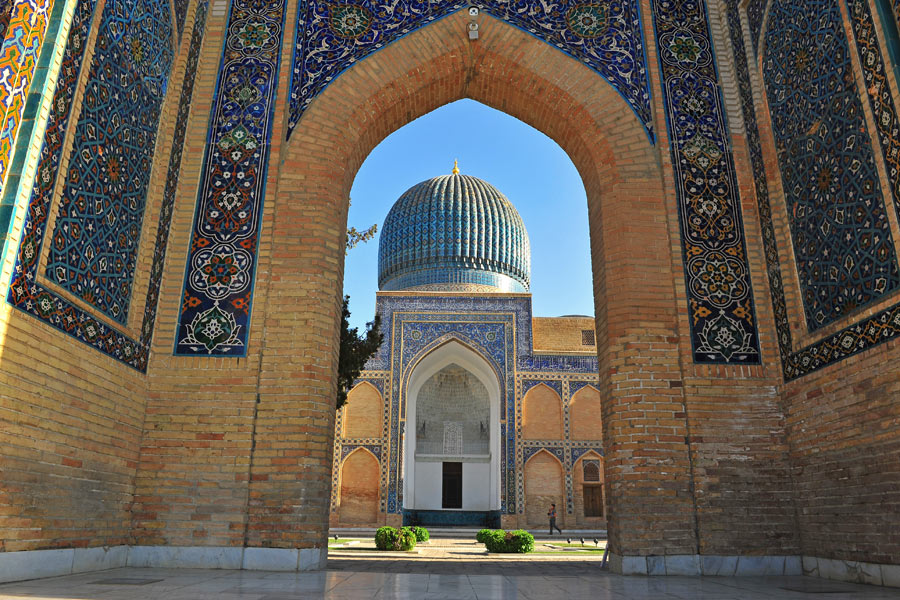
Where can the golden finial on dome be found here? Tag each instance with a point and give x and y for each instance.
(455, 167)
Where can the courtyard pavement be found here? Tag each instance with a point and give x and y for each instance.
(440, 570)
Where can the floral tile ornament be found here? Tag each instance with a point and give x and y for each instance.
(717, 272)
(218, 286)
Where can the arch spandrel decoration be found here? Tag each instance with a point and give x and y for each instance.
(217, 298)
(26, 292)
(605, 36)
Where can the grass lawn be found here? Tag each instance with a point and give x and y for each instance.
(336, 542)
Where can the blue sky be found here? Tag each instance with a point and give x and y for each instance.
(525, 165)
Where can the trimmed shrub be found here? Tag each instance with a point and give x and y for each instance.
(481, 536)
(385, 538)
(518, 541)
(388, 538)
(406, 539)
(422, 534)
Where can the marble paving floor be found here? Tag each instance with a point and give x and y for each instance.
(538, 581)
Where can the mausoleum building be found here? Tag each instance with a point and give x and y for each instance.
(473, 412)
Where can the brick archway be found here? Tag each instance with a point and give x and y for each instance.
(514, 72)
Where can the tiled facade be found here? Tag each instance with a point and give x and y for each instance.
(167, 344)
(497, 327)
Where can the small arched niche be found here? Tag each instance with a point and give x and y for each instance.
(363, 413)
(584, 415)
(543, 487)
(542, 415)
(358, 501)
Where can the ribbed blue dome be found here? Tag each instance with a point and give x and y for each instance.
(454, 232)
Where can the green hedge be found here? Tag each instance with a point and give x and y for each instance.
(482, 536)
(421, 533)
(497, 540)
(389, 538)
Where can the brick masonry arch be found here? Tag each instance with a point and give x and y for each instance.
(516, 73)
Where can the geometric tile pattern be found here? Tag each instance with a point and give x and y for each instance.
(843, 248)
(43, 303)
(721, 312)
(851, 340)
(878, 91)
(93, 250)
(25, 23)
(605, 36)
(218, 284)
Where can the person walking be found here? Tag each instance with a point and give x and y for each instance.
(552, 514)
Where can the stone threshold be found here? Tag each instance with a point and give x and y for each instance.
(756, 566)
(37, 564)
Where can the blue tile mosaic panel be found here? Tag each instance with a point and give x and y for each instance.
(93, 249)
(756, 13)
(843, 248)
(851, 340)
(25, 292)
(878, 92)
(180, 8)
(717, 272)
(218, 285)
(605, 36)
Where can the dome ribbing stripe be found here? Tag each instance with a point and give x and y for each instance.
(454, 229)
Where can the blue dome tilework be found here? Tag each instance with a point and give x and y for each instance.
(454, 229)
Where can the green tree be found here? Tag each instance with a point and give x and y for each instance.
(355, 349)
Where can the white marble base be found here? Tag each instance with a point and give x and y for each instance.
(695, 564)
(852, 571)
(213, 557)
(37, 564)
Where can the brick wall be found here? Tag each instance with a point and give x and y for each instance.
(843, 427)
(555, 334)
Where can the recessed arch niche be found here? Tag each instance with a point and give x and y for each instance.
(452, 365)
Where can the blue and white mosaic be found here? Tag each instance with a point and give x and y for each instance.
(606, 37)
(218, 286)
(865, 334)
(94, 246)
(842, 242)
(25, 292)
(722, 314)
